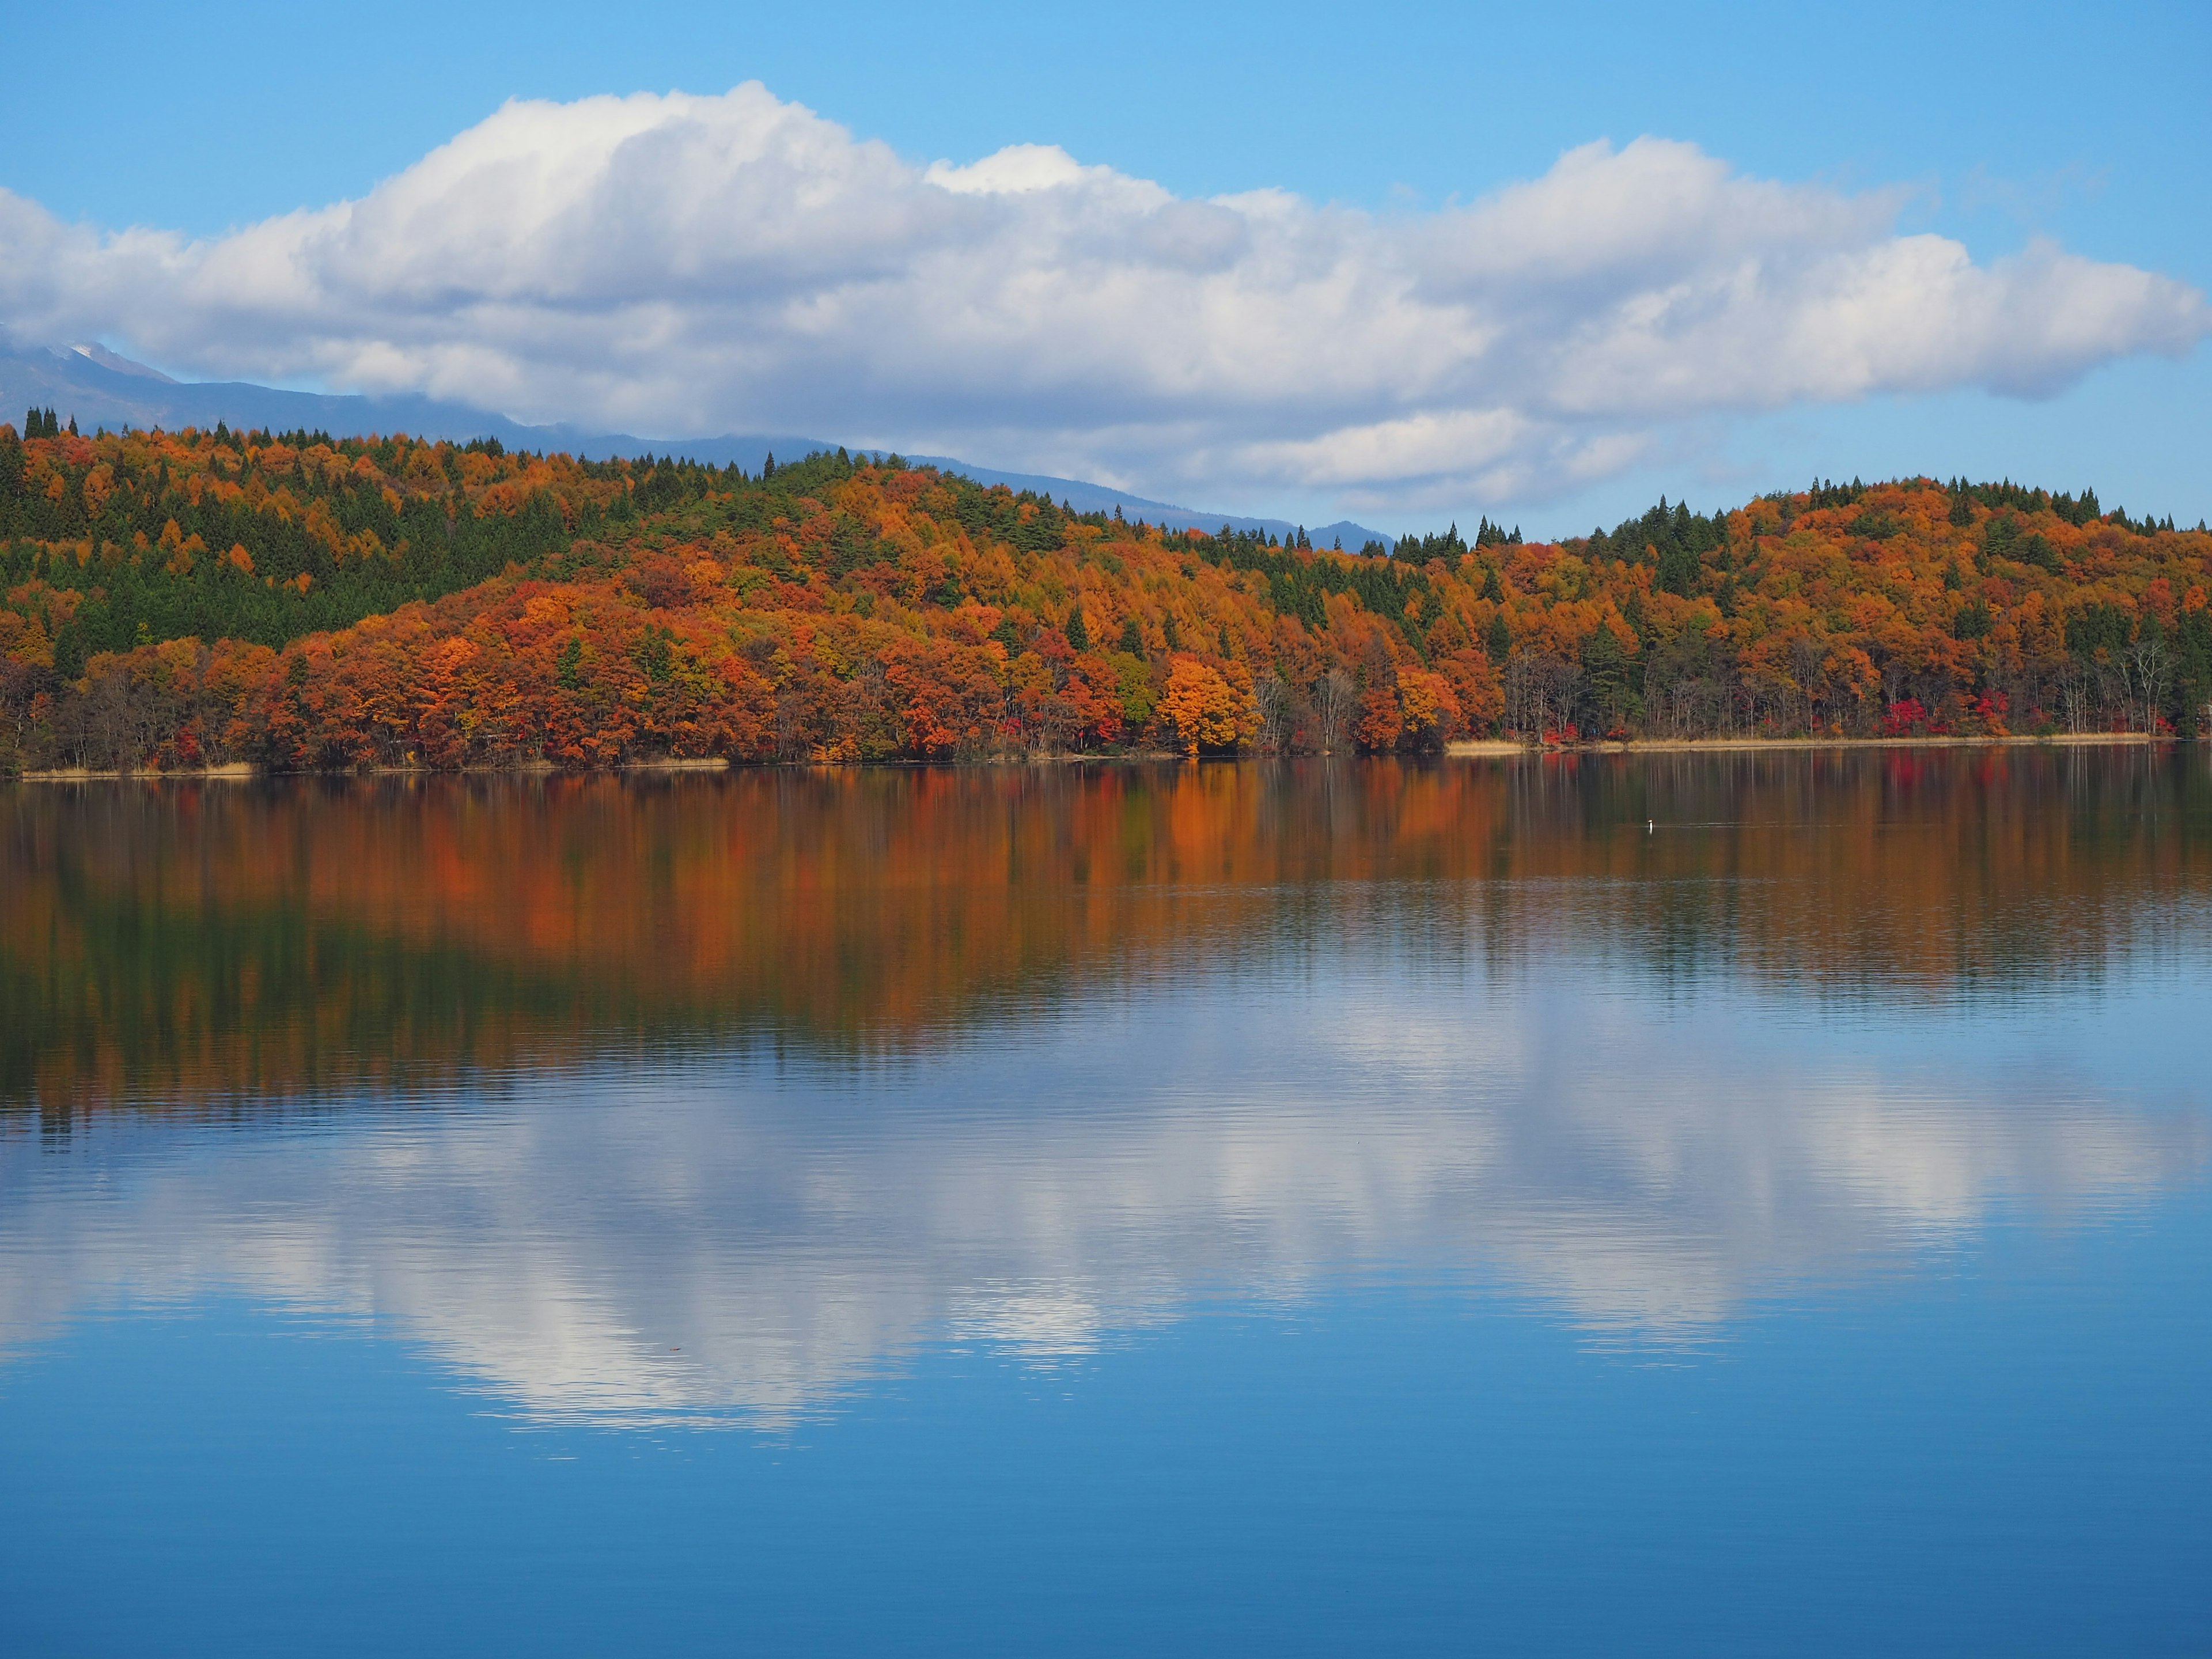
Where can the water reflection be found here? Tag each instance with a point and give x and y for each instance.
(187, 943)
(709, 1100)
(723, 1240)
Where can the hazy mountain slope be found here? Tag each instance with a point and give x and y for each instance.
(1101, 498)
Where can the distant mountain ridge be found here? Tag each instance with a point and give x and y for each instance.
(99, 388)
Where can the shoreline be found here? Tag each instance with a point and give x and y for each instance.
(1476, 748)
(1459, 748)
(246, 771)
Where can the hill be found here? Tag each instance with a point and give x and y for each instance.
(173, 600)
(90, 388)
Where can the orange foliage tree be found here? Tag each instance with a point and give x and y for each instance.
(397, 603)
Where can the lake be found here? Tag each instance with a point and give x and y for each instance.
(1693, 1203)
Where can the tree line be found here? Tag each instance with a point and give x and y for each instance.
(301, 601)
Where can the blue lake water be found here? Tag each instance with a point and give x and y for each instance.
(1674, 1204)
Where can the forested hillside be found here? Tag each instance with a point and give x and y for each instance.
(297, 601)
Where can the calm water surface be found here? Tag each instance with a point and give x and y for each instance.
(1747, 1204)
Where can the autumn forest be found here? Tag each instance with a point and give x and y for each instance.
(171, 601)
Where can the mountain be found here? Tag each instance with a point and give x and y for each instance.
(1083, 497)
(98, 388)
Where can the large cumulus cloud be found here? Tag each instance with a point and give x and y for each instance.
(678, 265)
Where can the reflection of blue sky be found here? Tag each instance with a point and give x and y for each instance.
(720, 1237)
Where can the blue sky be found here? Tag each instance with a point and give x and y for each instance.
(2001, 124)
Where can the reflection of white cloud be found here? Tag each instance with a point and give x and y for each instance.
(715, 1242)
(1041, 1322)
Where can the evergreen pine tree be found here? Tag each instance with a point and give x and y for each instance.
(1605, 666)
(1499, 639)
(1677, 570)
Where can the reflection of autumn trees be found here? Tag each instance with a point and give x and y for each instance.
(167, 601)
(196, 940)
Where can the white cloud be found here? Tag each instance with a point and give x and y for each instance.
(676, 265)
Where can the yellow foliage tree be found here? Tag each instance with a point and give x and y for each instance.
(1427, 705)
(1207, 714)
